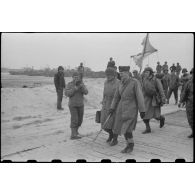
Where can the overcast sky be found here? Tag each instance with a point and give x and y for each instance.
(94, 49)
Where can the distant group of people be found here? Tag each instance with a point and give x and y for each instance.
(125, 95)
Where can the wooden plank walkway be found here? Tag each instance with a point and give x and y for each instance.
(167, 144)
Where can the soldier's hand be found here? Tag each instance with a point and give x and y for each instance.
(111, 111)
(142, 115)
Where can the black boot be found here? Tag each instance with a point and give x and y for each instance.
(110, 136)
(148, 129)
(162, 121)
(128, 148)
(114, 141)
(191, 136)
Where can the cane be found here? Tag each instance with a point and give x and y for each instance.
(101, 128)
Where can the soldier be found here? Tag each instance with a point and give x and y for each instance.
(110, 86)
(111, 63)
(158, 67)
(81, 70)
(173, 68)
(128, 99)
(165, 66)
(75, 91)
(165, 81)
(60, 86)
(154, 98)
(187, 96)
(178, 69)
(173, 86)
(137, 76)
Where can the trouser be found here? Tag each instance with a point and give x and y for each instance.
(175, 92)
(129, 137)
(76, 116)
(59, 98)
(166, 92)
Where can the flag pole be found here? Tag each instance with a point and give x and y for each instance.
(144, 51)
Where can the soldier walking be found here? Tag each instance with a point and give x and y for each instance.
(154, 98)
(75, 90)
(60, 85)
(173, 86)
(187, 97)
(128, 99)
(110, 86)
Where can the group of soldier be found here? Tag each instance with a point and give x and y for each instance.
(125, 95)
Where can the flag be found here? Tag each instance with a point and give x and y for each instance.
(147, 50)
(138, 59)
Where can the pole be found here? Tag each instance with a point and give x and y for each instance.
(144, 51)
(101, 128)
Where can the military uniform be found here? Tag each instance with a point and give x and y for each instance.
(76, 105)
(128, 99)
(81, 71)
(173, 87)
(153, 93)
(173, 67)
(108, 95)
(165, 66)
(187, 97)
(158, 68)
(166, 79)
(178, 69)
(60, 85)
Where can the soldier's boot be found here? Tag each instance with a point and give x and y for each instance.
(129, 147)
(114, 140)
(110, 136)
(77, 133)
(74, 134)
(162, 121)
(148, 129)
(191, 136)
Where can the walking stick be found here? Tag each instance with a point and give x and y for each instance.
(101, 128)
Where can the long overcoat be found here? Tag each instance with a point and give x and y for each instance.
(187, 96)
(108, 95)
(153, 109)
(127, 106)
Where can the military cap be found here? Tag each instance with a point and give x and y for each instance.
(158, 62)
(75, 73)
(148, 69)
(124, 68)
(110, 71)
(60, 68)
(192, 71)
(184, 70)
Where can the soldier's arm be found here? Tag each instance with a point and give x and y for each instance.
(70, 90)
(160, 90)
(115, 99)
(139, 97)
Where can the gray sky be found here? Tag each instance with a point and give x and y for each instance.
(94, 49)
